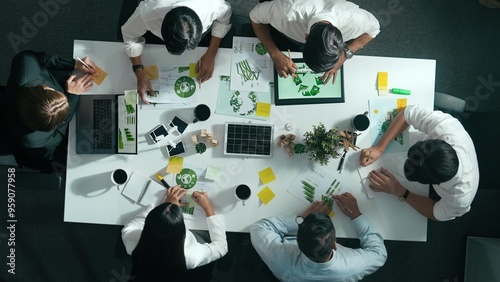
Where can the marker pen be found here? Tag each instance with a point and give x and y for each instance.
(400, 91)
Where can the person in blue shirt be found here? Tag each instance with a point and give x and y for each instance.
(313, 254)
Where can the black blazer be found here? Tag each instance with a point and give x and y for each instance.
(29, 69)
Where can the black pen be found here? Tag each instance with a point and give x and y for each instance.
(162, 181)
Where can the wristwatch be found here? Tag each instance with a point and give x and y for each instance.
(299, 220)
(135, 67)
(403, 197)
(348, 52)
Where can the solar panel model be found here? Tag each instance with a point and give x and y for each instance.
(253, 140)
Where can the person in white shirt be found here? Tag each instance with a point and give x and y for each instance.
(314, 255)
(180, 24)
(321, 25)
(161, 246)
(446, 158)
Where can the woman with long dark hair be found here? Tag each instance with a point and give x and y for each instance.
(162, 248)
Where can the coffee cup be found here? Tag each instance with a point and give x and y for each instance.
(361, 122)
(201, 113)
(119, 177)
(242, 193)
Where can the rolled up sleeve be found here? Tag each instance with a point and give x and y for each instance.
(132, 32)
(221, 26)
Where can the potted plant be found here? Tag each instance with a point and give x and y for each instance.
(322, 144)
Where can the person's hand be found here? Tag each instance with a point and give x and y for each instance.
(143, 85)
(79, 85)
(202, 200)
(81, 67)
(317, 206)
(174, 195)
(347, 204)
(205, 68)
(369, 155)
(283, 65)
(384, 181)
(333, 72)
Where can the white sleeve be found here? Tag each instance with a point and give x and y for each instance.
(372, 244)
(221, 26)
(198, 254)
(428, 121)
(260, 13)
(131, 232)
(132, 31)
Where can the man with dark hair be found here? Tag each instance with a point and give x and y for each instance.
(446, 158)
(314, 255)
(321, 26)
(181, 25)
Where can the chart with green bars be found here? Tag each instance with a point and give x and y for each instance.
(314, 183)
(188, 210)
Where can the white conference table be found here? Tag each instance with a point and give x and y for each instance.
(91, 198)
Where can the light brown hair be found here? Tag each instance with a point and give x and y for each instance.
(42, 108)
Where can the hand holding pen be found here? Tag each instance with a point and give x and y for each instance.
(86, 65)
(369, 155)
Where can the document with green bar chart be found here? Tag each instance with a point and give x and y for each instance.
(313, 183)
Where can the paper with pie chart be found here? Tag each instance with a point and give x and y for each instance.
(241, 103)
(174, 86)
(191, 179)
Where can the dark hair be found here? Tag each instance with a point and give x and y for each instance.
(159, 255)
(181, 29)
(431, 162)
(42, 109)
(323, 46)
(316, 236)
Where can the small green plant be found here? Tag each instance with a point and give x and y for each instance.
(200, 148)
(299, 148)
(322, 144)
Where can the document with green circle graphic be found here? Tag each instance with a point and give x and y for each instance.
(174, 85)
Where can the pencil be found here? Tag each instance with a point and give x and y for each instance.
(348, 209)
(87, 66)
(369, 155)
(289, 56)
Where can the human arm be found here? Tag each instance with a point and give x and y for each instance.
(143, 83)
(348, 205)
(131, 232)
(201, 199)
(398, 125)
(354, 46)
(206, 64)
(283, 65)
(384, 181)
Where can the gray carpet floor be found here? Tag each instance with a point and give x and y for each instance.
(462, 36)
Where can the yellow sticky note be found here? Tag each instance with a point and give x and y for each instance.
(266, 195)
(99, 75)
(174, 164)
(151, 72)
(192, 70)
(401, 104)
(267, 175)
(331, 214)
(383, 83)
(263, 109)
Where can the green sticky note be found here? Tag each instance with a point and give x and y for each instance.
(212, 173)
(130, 97)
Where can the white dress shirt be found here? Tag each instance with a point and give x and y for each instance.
(197, 254)
(149, 15)
(282, 255)
(456, 194)
(294, 18)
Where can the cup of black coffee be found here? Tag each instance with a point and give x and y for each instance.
(361, 122)
(201, 113)
(242, 193)
(119, 177)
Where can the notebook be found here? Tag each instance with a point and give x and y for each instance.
(107, 124)
(143, 190)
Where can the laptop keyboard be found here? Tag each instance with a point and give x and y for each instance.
(102, 124)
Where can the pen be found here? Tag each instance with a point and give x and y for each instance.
(341, 163)
(348, 209)
(85, 64)
(369, 155)
(162, 181)
(400, 91)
